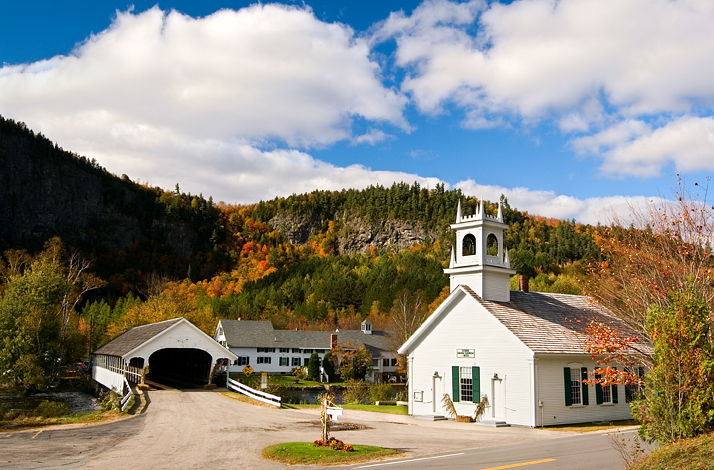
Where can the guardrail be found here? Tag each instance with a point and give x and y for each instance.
(254, 394)
(125, 399)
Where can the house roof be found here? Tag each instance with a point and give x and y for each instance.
(135, 337)
(260, 334)
(544, 322)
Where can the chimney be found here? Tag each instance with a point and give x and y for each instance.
(523, 283)
(333, 340)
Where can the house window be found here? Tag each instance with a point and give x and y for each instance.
(263, 360)
(305, 361)
(605, 394)
(284, 350)
(307, 351)
(296, 350)
(296, 362)
(465, 384)
(266, 350)
(242, 361)
(394, 362)
(385, 362)
(284, 361)
(632, 391)
(576, 391)
(575, 386)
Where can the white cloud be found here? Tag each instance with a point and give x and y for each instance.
(549, 204)
(537, 58)
(233, 170)
(632, 148)
(371, 137)
(266, 71)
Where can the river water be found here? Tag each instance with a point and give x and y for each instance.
(79, 402)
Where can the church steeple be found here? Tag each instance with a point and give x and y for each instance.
(479, 259)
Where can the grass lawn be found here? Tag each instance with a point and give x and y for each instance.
(696, 453)
(588, 427)
(303, 453)
(395, 410)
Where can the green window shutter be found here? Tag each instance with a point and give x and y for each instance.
(614, 391)
(583, 378)
(455, 383)
(568, 393)
(476, 383)
(598, 391)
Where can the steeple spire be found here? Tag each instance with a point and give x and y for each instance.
(458, 212)
(500, 213)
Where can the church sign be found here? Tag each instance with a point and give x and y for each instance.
(465, 353)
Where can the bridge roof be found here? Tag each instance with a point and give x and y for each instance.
(132, 339)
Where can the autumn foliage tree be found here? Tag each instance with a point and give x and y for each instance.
(39, 327)
(659, 279)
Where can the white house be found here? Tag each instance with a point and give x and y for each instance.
(265, 349)
(523, 350)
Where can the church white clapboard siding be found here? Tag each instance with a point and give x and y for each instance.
(523, 351)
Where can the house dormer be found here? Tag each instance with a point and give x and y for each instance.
(367, 327)
(479, 259)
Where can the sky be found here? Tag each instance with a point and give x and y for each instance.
(573, 109)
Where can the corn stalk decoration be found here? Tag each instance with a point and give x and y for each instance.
(481, 407)
(325, 418)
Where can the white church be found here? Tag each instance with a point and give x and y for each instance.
(523, 350)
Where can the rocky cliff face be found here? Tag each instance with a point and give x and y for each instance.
(45, 192)
(358, 235)
(355, 234)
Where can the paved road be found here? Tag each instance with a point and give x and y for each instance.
(591, 451)
(207, 430)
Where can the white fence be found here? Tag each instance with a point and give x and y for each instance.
(254, 394)
(125, 399)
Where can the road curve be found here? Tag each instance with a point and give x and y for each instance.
(207, 430)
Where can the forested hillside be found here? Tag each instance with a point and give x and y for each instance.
(320, 260)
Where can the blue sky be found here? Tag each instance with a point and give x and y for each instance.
(570, 108)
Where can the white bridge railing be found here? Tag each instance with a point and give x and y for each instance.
(125, 399)
(254, 394)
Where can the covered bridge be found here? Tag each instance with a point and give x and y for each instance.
(175, 351)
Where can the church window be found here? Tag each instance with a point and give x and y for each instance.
(492, 245)
(468, 247)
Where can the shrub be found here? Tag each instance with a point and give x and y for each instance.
(329, 366)
(53, 409)
(299, 372)
(381, 392)
(313, 367)
(678, 401)
(109, 400)
(357, 392)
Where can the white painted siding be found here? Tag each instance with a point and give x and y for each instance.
(497, 286)
(274, 367)
(497, 351)
(551, 391)
(111, 380)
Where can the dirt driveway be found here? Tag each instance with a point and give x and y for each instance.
(207, 430)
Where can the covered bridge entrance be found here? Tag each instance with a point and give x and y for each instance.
(175, 351)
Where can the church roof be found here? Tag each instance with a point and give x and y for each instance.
(544, 322)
